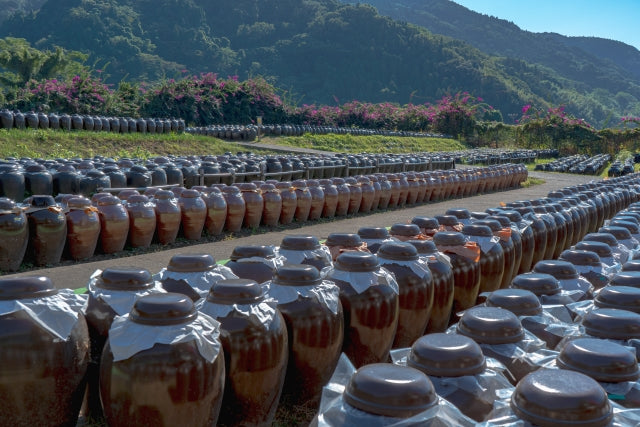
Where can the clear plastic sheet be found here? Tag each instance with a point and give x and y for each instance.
(260, 314)
(327, 293)
(578, 284)
(483, 385)
(596, 273)
(120, 301)
(419, 267)
(360, 281)
(200, 281)
(298, 257)
(273, 263)
(630, 244)
(128, 338)
(558, 311)
(57, 313)
(379, 242)
(563, 297)
(334, 412)
(503, 416)
(485, 243)
(546, 327)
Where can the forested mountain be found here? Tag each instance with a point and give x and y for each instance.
(322, 51)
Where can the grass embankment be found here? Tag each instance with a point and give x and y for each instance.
(369, 144)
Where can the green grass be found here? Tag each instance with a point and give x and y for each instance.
(370, 144)
(532, 181)
(54, 143)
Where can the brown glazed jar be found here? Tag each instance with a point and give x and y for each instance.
(167, 384)
(315, 327)
(83, 228)
(377, 191)
(413, 190)
(301, 249)
(339, 243)
(216, 211)
(317, 200)
(236, 208)
(14, 235)
(42, 375)
(539, 234)
(465, 263)
(368, 193)
(112, 293)
(415, 284)
(385, 192)
(369, 297)
(193, 214)
(142, 221)
(47, 230)
(330, 198)
(492, 256)
(168, 216)
(303, 200)
(272, 205)
(289, 202)
(551, 397)
(254, 203)
(114, 224)
(395, 190)
(528, 240)
(344, 196)
(355, 195)
(257, 263)
(256, 351)
(443, 284)
(558, 230)
(516, 240)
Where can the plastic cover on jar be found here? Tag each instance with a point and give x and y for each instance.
(335, 412)
(327, 293)
(200, 281)
(360, 281)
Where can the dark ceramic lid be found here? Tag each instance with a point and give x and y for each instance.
(555, 194)
(490, 325)
(491, 223)
(249, 251)
(343, 239)
(631, 217)
(390, 390)
(404, 230)
(551, 397)
(125, 279)
(448, 220)
(449, 238)
(138, 198)
(108, 200)
(425, 222)
(561, 270)
(460, 213)
(632, 265)
(164, 195)
(299, 183)
(612, 323)
(398, 251)
(446, 355)
(357, 262)
(191, 263)
(297, 275)
(300, 243)
(600, 359)
(424, 247)
(12, 288)
(632, 227)
(620, 297)
(580, 257)
(373, 233)
(78, 202)
(36, 167)
(518, 301)
(41, 201)
(247, 186)
(267, 187)
(513, 215)
(607, 238)
(163, 309)
(602, 249)
(479, 215)
(620, 233)
(6, 203)
(236, 291)
(189, 194)
(338, 181)
(477, 230)
(626, 278)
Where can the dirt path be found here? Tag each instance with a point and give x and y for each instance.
(77, 275)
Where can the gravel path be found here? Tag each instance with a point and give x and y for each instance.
(77, 275)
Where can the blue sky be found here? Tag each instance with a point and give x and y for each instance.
(609, 19)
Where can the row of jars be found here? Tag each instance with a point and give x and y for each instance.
(43, 228)
(324, 295)
(19, 120)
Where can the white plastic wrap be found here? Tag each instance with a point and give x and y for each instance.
(298, 257)
(200, 281)
(261, 314)
(57, 313)
(120, 301)
(360, 281)
(273, 263)
(503, 416)
(334, 412)
(485, 243)
(597, 273)
(128, 338)
(563, 297)
(327, 293)
(630, 244)
(419, 267)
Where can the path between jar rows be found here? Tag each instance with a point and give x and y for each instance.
(77, 275)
